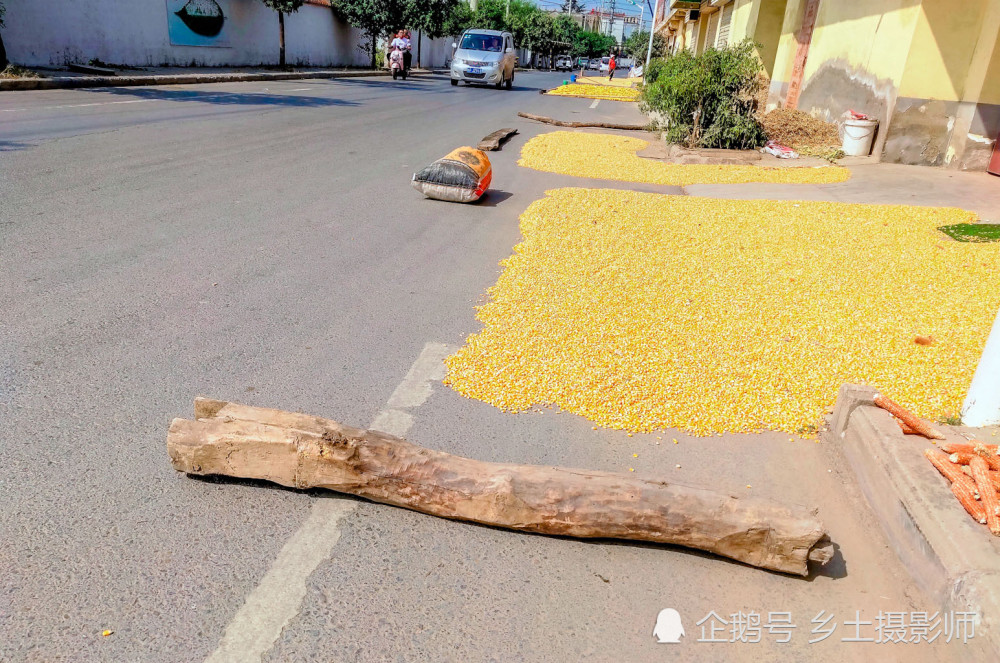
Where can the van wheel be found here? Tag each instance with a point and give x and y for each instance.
(454, 82)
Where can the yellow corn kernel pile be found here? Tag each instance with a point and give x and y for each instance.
(622, 81)
(590, 91)
(645, 311)
(612, 157)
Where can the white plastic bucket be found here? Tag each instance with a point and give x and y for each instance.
(858, 136)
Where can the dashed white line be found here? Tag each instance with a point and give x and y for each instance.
(277, 599)
(596, 101)
(99, 103)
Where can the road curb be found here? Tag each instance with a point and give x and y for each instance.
(65, 82)
(954, 560)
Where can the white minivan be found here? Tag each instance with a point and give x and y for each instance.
(484, 56)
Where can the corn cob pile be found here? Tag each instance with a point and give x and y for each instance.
(612, 157)
(974, 473)
(591, 91)
(645, 311)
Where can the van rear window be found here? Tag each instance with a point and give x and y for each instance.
(474, 42)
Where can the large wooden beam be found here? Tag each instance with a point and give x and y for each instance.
(304, 451)
(579, 125)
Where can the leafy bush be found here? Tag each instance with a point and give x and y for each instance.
(707, 100)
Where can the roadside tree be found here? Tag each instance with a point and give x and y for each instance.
(707, 100)
(375, 18)
(637, 43)
(3, 51)
(283, 7)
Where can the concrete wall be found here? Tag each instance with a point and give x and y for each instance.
(134, 32)
(926, 69)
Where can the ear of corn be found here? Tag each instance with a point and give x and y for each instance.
(987, 493)
(988, 455)
(950, 470)
(903, 426)
(968, 448)
(965, 498)
(907, 417)
(961, 458)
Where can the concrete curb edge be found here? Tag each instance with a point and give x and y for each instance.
(949, 556)
(69, 82)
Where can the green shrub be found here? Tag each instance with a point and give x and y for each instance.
(707, 100)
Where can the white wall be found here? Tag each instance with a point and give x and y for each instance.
(134, 32)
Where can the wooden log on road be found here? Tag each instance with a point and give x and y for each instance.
(492, 141)
(579, 125)
(304, 451)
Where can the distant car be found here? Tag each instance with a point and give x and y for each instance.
(595, 64)
(564, 63)
(485, 57)
(605, 65)
(582, 63)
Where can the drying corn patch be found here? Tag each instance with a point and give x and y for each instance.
(645, 311)
(611, 157)
(591, 91)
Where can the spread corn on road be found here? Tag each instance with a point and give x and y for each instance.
(591, 91)
(612, 157)
(646, 311)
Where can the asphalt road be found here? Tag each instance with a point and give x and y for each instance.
(260, 243)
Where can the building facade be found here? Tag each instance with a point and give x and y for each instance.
(928, 70)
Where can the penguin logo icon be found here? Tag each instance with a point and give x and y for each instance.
(668, 627)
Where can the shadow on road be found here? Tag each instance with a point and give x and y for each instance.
(226, 98)
(494, 197)
(12, 145)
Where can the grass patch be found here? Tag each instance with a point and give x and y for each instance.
(973, 232)
(13, 71)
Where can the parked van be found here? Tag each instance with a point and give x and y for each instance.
(484, 56)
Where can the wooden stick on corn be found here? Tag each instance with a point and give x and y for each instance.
(988, 494)
(907, 417)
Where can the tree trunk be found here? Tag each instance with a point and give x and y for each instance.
(3, 54)
(303, 451)
(374, 43)
(281, 30)
(420, 37)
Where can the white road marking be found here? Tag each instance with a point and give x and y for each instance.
(277, 599)
(299, 89)
(99, 103)
(596, 101)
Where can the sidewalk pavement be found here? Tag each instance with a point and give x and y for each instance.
(58, 78)
(880, 183)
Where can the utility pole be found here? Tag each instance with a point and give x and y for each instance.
(611, 21)
(649, 49)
